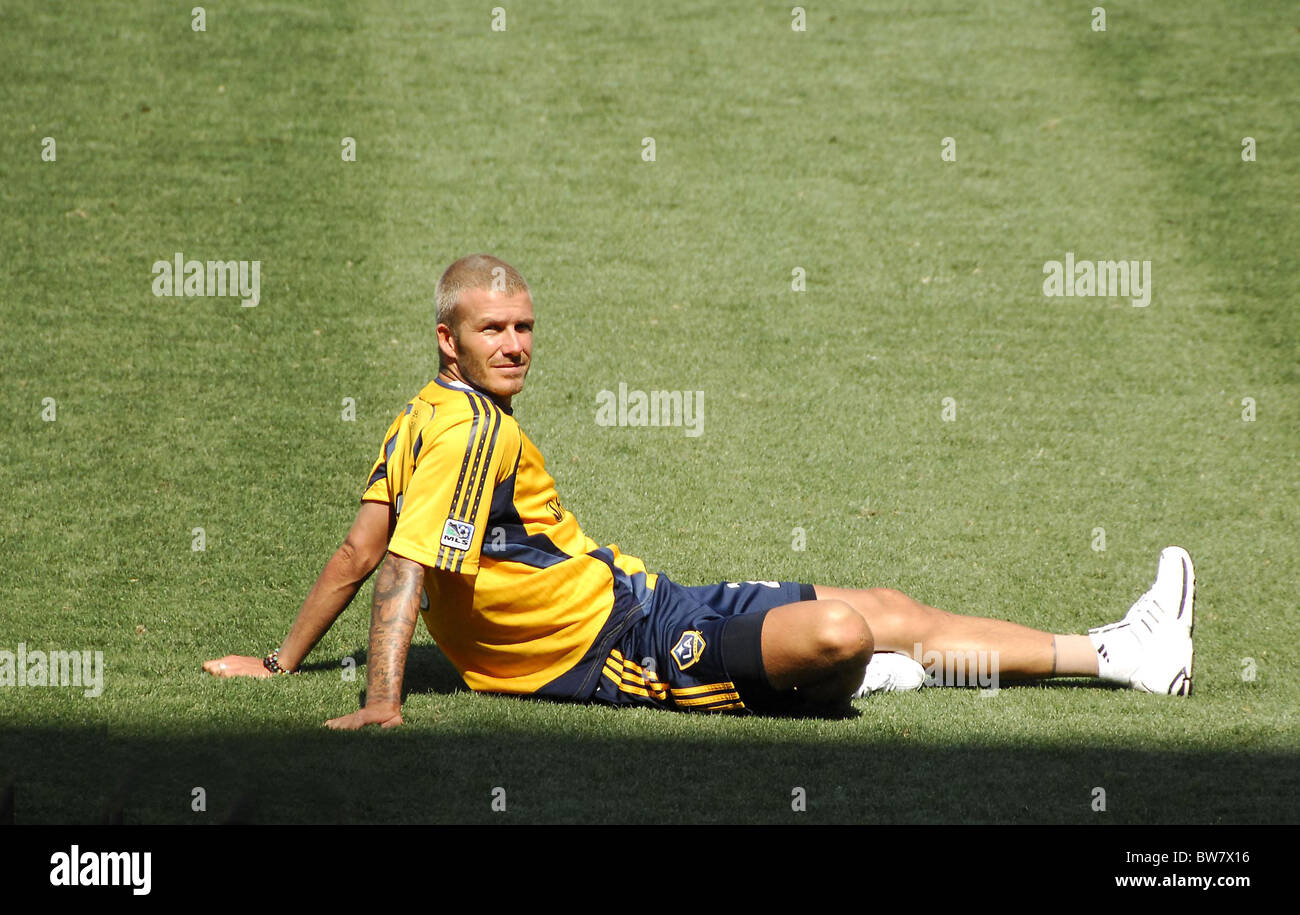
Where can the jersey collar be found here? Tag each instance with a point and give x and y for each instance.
(452, 384)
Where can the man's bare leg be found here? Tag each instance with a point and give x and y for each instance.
(816, 652)
(901, 623)
(1150, 649)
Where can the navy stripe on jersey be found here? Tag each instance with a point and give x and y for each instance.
(478, 458)
(480, 481)
(444, 552)
(535, 550)
(461, 503)
(419, 436)
(382, 470)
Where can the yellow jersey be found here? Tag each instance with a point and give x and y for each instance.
(520, 599)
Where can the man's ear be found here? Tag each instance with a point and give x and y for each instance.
(446, 343)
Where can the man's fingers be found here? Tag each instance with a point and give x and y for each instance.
(361, 718)
(218, 667)
(351, 722)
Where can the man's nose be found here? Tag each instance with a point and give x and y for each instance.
(512, 343)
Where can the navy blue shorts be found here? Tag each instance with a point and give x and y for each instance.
(697, 648)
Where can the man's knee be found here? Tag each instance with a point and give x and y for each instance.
(812, 641)
(840, 636)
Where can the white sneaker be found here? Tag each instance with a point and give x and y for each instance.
(889, 672)
(1151, 648)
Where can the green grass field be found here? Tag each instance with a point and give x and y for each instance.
(822, 409)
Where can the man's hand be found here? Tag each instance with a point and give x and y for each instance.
(236, 665)
(384, 716)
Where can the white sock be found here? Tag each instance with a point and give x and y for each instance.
(1118, 652)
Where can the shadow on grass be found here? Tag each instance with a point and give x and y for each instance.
(427, 670)
(557, 764)
(553, 769)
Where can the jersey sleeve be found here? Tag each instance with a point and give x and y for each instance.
(378, 485)
(445, 508)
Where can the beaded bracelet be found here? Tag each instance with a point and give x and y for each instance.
(272, 663)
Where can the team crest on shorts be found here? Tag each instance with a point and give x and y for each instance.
(457, 535)
(689, 649)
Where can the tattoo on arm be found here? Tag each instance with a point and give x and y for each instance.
(392, 624)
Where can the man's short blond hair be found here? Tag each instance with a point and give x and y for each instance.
(478, 271)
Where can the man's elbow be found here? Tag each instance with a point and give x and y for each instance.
(360, 559)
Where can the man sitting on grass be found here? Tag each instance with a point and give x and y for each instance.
(522, 602)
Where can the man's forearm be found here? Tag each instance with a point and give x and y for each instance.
(334, 589)
(392, 624)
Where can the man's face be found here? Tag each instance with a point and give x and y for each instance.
(491, 346)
